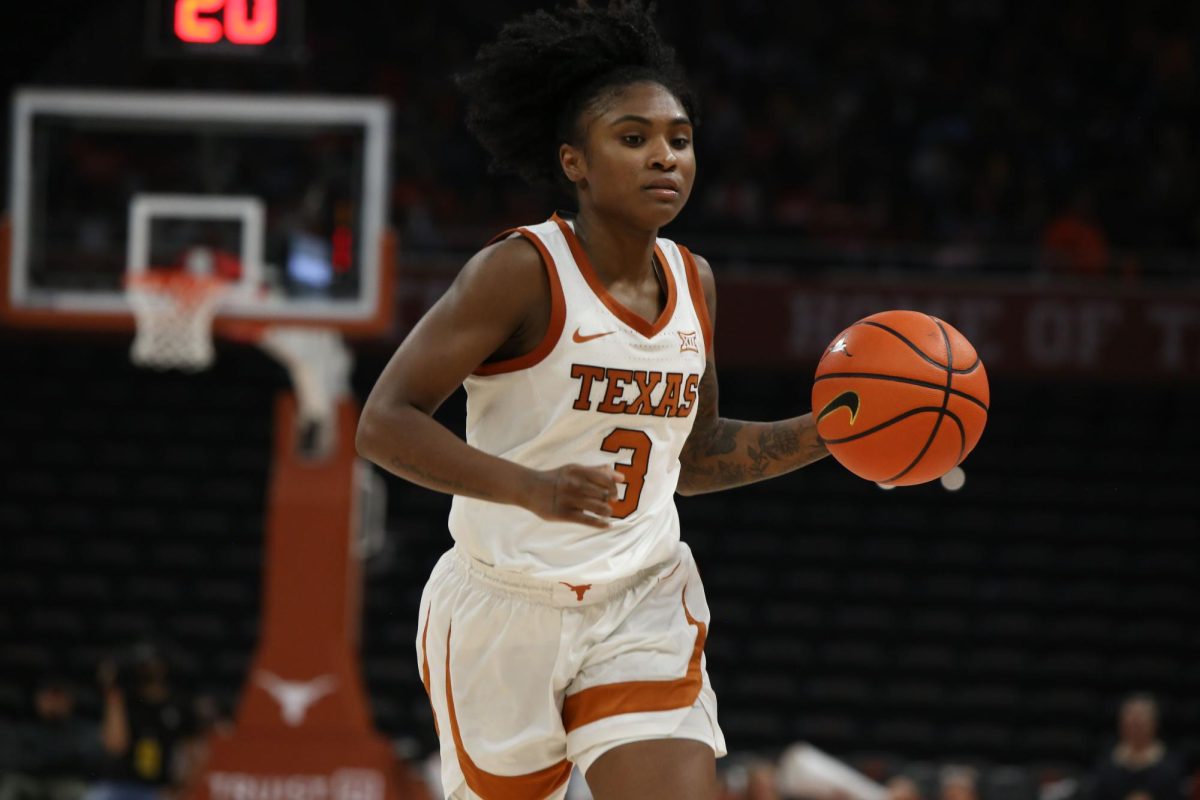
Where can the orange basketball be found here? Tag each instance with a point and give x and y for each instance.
(900, 398)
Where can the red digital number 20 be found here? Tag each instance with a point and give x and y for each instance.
(634, 470)
(239, 26)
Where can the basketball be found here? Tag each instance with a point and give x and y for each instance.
(900, 398)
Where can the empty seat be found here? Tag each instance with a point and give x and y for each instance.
(49, 624)
(766, 686)
(1074, 705)
(224, 593)
(1007, 783)
(1070, 667)
(996, 662)
(977, 739)
(912, 735)
(832, 732)
(986, 701)
(198, 628)
(1058, 742)
(862, 656)
(790, 651)
(913, 694)
(878, 584)
(794, 617)
(838, 692)
(161, 591)
(865, 620)
(1093, 630)
(925, 660)
(942, 623)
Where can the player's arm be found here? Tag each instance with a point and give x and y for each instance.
(723, 453)
(488, 308)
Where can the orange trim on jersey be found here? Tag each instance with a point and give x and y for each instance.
(542, 783)
(425, 671)
(502, 235)
(614, 305)
(632, 697)
(558, 316)
(696, 289)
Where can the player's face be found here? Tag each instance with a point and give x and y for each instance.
(637, 162)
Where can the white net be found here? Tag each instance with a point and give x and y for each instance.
(174, 312)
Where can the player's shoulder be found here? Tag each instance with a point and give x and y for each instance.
(703, 267)
(512, 262)
(707, 281)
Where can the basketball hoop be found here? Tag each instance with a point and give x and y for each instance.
(174, 312)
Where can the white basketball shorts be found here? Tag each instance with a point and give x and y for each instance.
(528, 677)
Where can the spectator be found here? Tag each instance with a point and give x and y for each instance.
(762, 781)
(1139, 767)
(958, 783)
(147, 730)
(49, 757)
(902, 787)
(1074, 244)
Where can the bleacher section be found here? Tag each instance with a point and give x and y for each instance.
(997, 624)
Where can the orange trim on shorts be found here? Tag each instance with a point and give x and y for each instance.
(633, 697)
(558, 316)
(542, 783)
(614, 305)
(425, 672)
(696, 289)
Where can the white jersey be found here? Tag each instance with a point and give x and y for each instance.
(604, 387)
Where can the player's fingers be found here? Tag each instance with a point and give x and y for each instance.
(582, 487)
(605, 480)
(602, 476)
(596, 505)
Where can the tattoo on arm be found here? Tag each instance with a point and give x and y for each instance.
(727, 452)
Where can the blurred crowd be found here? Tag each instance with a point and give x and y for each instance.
(983, 130)
(149, 743)
(146, 743)
(975, 126)
(1137, 766)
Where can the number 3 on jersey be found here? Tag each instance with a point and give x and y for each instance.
(634, 470)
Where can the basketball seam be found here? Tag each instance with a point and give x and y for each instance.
(964, 371)
(884, 424)
(949, 367)
(898, 379)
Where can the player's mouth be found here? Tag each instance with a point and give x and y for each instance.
(663, 189)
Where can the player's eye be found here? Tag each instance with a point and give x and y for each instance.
(680, 142)
(632, 139)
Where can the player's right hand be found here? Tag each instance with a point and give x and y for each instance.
(575, 493)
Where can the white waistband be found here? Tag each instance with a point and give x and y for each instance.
(560, 594)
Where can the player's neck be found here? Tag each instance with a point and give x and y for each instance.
(617, 253)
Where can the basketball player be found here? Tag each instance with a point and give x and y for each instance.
(567, 624)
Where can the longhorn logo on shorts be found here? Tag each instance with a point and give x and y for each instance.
(579, 591)
(847, 400)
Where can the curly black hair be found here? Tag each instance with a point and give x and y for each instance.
(526, 90)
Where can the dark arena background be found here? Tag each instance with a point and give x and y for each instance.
(1028, 172)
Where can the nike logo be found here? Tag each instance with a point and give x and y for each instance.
(848, 400)
(840, 347)
(580, 338)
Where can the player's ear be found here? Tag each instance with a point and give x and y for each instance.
(573, 164)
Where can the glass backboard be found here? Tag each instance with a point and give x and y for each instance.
(283, 195)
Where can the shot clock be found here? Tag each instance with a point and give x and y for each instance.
(271, 30)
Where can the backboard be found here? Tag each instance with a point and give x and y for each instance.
(284, 196)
